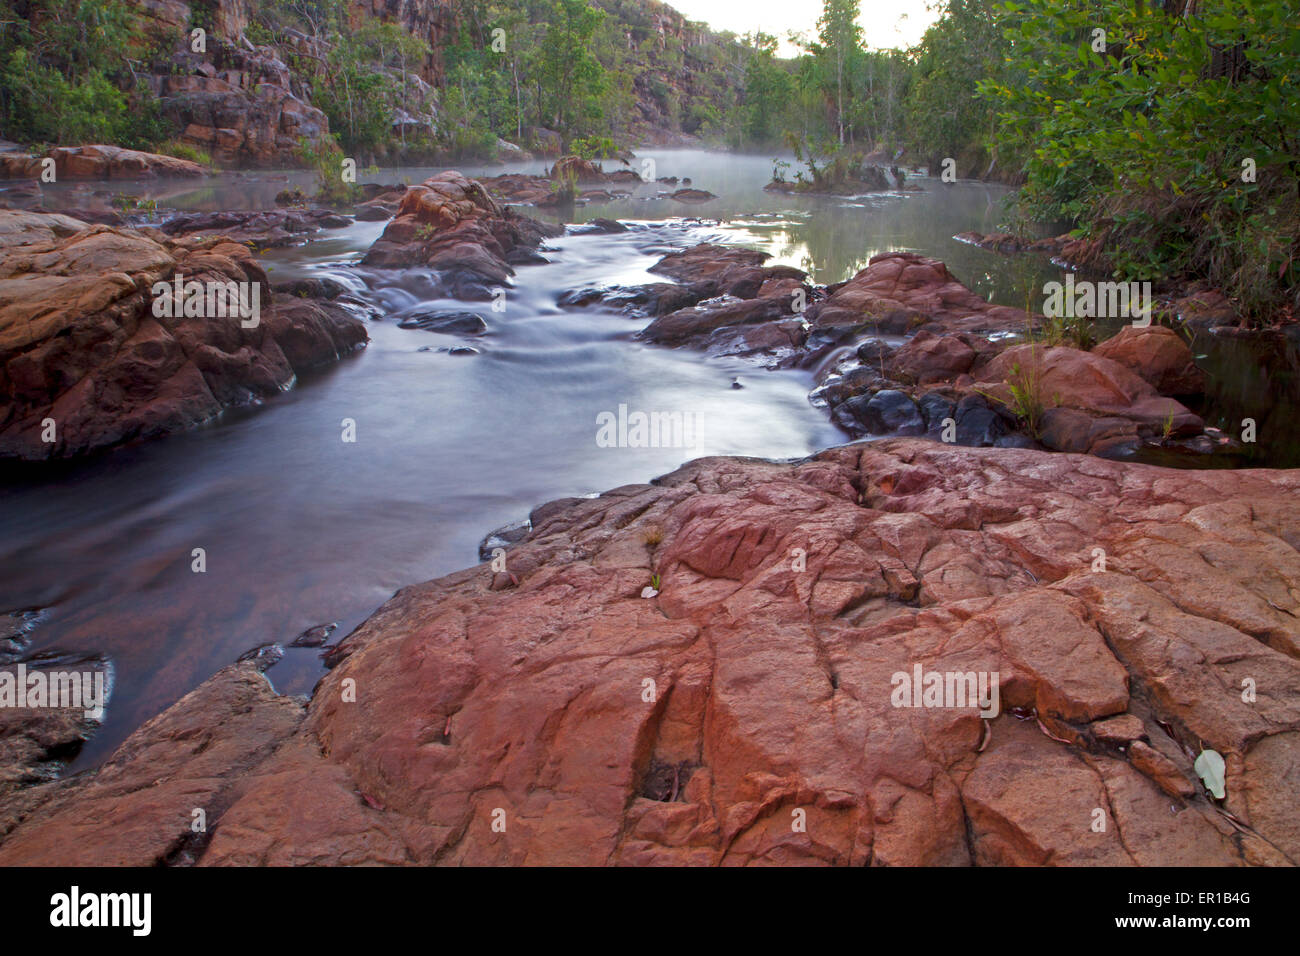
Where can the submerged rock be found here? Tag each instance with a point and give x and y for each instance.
(314, 636)
(451, 323)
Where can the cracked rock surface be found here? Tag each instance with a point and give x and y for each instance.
(595, 726)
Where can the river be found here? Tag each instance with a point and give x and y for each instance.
(301, 528)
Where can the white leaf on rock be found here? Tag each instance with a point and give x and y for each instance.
(1209, 767)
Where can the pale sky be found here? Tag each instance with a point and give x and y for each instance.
(885, 23)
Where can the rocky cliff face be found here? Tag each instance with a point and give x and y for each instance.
(239, 105)
(236, 101)
(749, 712)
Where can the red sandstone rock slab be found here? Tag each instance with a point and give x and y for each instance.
(553, 715)
(905, 289)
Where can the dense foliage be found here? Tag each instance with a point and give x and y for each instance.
(69, 73)
(1172, 139)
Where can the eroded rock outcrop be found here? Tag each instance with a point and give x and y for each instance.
(722, 299)
(899, 292)
(87, 361)
(450, 224)
(240, 104)
(595, 726)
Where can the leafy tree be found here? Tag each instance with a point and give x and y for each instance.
(769, 89)
(840, 45)
(68, 75)
(1171, 139)
(570, 79)
(946, 116)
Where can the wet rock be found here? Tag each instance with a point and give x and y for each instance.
(526, 257)
(898, 291)
(726, 292)
(977, 424)
(312, 287)
(1072, 430)
(503, 537)
(655, 298)
(575, 169)
(450, 224)
(374, 212)
(268, 229)
(873, 352)
(264, 656)
(451, 323)
(314, 636)
(935, 409)
(927, 358)
(722, 265)
(697, 324)
(692, 195)
(886, 412)
(83, 345)
(1091, 403)
(891, 412)
(599, 226)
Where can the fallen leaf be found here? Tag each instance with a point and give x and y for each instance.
(1209, 767)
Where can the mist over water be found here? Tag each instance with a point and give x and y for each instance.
(300, 528)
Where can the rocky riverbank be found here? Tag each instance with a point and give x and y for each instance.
(704, 669)
(553, 713)
(903, 348)
(88, 359)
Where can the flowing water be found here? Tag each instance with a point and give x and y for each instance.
(301, 528)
